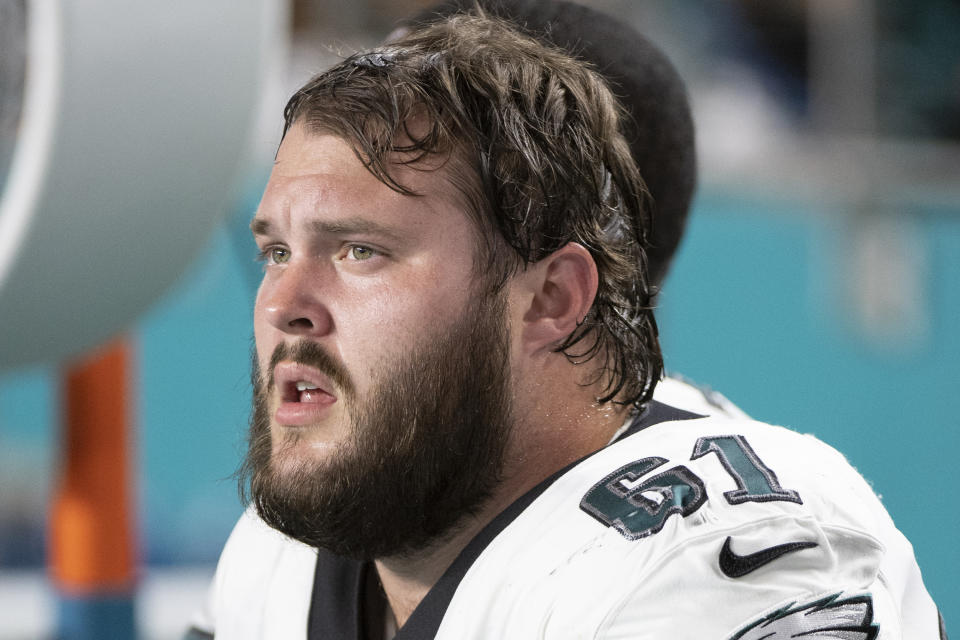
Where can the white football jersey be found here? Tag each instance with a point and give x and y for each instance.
(685, 527)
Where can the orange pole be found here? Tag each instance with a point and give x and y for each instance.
(92, 549)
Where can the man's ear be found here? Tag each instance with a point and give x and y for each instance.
(563, 286)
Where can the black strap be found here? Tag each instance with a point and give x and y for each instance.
(336, 604)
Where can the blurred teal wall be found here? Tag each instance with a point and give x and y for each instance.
(755, 307)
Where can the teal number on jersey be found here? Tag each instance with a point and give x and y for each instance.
(638, 508)
(756, 482)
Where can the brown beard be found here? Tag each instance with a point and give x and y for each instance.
(425, 449)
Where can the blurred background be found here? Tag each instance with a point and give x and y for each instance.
(818, 286)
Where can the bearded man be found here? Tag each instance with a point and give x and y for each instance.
(455, 363)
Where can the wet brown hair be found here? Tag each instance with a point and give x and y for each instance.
(659, 128)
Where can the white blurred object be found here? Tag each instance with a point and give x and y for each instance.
(739, 124)
(137, 118)
(168, 597)
(165, 601)
(887, 274)
(27, 605)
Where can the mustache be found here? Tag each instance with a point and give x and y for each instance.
(313, 355)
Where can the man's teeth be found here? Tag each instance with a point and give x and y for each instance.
(303, 386)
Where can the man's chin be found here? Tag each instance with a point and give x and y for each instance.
(305, 449)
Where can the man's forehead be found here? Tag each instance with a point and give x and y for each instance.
(331, 203)
(315, 170)
(320, 166)
(303, 152)
(318, 180)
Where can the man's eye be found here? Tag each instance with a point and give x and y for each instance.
(361, 253)
(275, 255)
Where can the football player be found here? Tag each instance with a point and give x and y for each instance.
(456, 359)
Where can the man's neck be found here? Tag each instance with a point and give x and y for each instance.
(544, 450)
(407, 580)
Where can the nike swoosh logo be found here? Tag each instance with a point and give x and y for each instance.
(737, 566)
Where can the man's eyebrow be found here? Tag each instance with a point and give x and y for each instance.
(259, 227)
(344, 226)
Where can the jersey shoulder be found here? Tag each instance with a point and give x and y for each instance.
(631, 542)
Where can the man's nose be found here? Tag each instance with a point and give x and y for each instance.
(293, 302)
